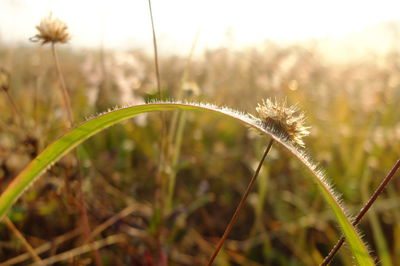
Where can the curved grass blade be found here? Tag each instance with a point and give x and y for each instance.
(89, 128)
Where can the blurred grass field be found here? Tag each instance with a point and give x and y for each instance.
(352, 108)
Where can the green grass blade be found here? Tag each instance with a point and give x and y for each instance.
(89, 128)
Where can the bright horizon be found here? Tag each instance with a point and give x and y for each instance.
(125, 24)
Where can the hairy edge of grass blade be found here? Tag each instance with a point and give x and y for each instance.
(92, 126)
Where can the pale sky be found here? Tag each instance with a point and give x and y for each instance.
(126, 23)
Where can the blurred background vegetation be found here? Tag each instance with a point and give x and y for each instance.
(352, 107)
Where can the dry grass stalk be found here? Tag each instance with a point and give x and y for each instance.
(110, 240)
(239, 207)
(24, 242)
(44, 247)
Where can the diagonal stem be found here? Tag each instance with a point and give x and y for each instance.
(24, 242)
(239, 207)
(362, 212)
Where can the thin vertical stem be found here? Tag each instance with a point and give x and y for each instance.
(35, 105)
(240, 206)
(63, 87)
(163, 122)
(176, 129)
(155, 51)
(160, 182)
(175, 156)
(163, 141)
(363, 211)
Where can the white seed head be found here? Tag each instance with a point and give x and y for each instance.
(288, 121)
(51, 30)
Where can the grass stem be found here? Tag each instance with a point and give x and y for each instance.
(176, 128)
(160, 182)
(155, 51)
(63, 87)
(24, 242)
(240, 206)
(362, 212)
(175, 157)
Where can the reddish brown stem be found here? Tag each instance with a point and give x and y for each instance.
(239, 207)
(362, 212)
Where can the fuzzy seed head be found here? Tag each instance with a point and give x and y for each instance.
(288, 121)
(51, 30)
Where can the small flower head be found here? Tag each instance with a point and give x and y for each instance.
(51, 30)
(287, 121)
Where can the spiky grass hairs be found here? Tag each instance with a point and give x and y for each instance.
(287, 121)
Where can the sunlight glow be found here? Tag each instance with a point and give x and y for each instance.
(123, 24)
